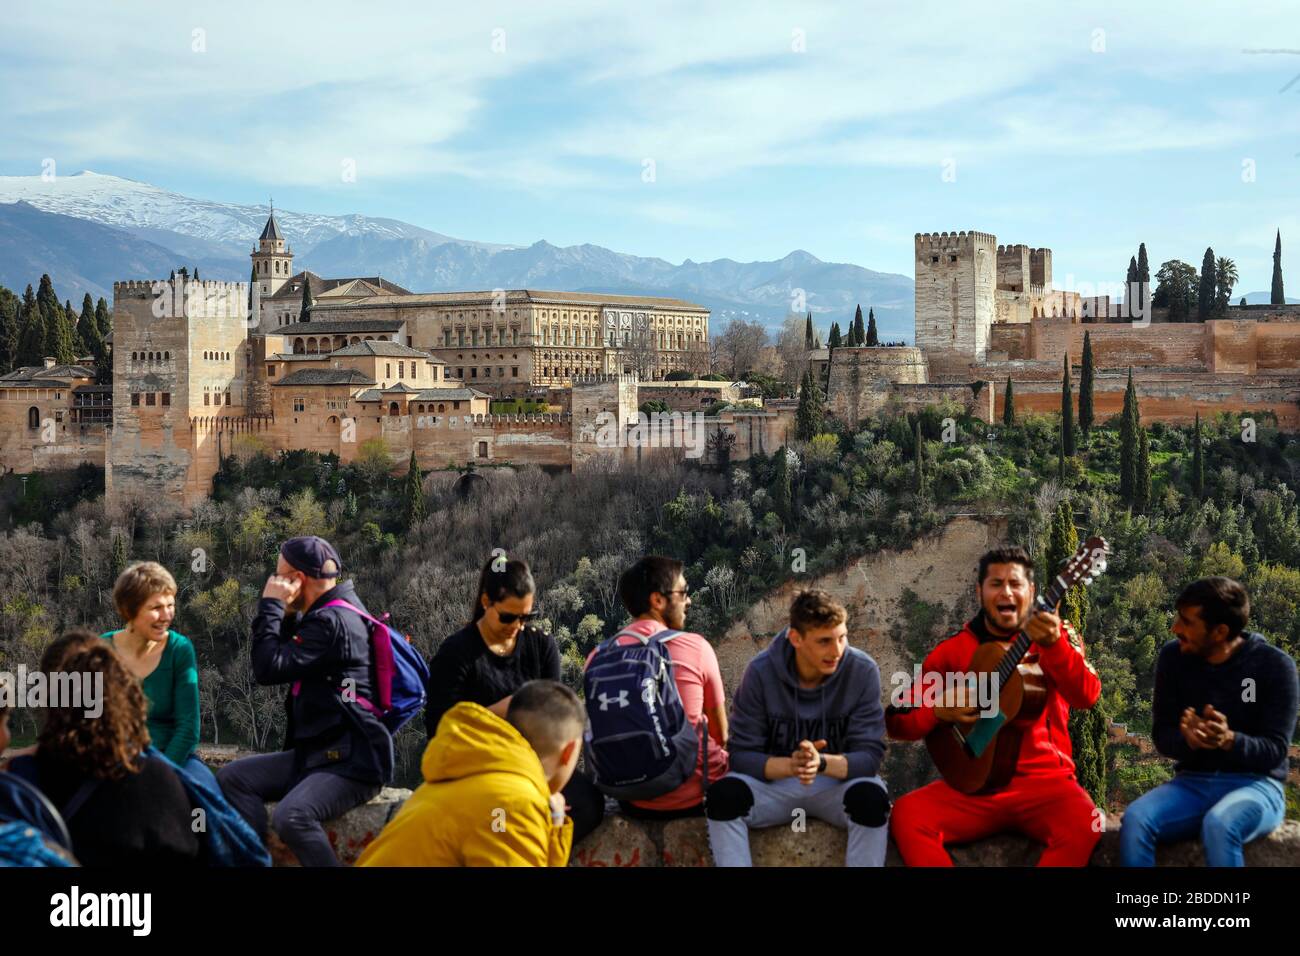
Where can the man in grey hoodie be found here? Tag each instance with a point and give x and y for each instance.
(807, 739)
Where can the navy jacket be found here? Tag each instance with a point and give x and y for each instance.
(322, 649)
(1256, 689)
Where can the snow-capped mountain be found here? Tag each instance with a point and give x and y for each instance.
(217, 238)
(229, 227)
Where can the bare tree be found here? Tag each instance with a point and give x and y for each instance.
(739, 347)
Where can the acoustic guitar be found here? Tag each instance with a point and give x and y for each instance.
(983, 757)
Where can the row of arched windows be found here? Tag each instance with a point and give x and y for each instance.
(216, 356)
(151, 357)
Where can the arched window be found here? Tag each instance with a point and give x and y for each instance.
(311, 345)
(392, 408)
(297, 347)
(353, 341)
(442, 408)
(33, 418)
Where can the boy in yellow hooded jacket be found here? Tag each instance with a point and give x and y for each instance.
(490, 795)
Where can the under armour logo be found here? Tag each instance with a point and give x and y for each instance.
(649, 691)
(606, 700)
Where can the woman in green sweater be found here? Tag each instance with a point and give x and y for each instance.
(162, 660)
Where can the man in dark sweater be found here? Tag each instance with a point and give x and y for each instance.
(1224, 707)
(807, 739)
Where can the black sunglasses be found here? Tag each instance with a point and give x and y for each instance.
(505, 617)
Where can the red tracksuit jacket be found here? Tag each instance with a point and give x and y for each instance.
(1045, 748)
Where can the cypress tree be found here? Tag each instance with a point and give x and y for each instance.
(1067, 412)
(808, 419)
(413, 496)
(1143, 275)
(859, 334)
(1205, 294)
(1128, 441)
(87, 331)
(1198, 462)
(252, 284)
(31, 333)
(834, 340)
(1277, 296)
(9, 329)
(780, 490)
(51, 318)
(1130, 288)
(1085, 387)
(807, 329)
(1008, 406)
(872, 337)
(1142, 489)
(918, 466)
(117, 561)
(103, 318)
(304, 309)
(1088, 738)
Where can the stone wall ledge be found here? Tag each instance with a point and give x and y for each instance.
(622, 841)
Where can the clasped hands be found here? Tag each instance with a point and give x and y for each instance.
(1209, 731)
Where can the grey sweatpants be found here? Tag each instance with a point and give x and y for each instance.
(303, 805)
(778, 802)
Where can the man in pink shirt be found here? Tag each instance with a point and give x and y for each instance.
(654, 592)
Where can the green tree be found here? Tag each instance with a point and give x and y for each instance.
(117, 561)
(1143, 275)
(31, 335)
(304, 307)
(1067, 412)
(873, 338)
(1198, 462)
(1131, 288)
(89, 341)
(834, 340)
(1276, 295)
(413, 495)
(808, 418)
(1128, 443)
(781, 484)
(9, 329)
(1205, 298)
(1142, 486)
(1086, 376)
(859, 333)
(103, 318)
(918, 463)
(1008, 406)
(1088, 740)
(1176, 290)
(58, 331)
(1225, 277)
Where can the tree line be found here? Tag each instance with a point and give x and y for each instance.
(35, 326)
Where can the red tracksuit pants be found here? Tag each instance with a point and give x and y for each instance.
(1053, 810)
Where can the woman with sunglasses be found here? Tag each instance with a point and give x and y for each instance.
(494, 655)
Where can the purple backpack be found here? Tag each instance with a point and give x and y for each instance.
(398, 672)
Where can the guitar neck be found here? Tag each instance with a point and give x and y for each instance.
(1020, 646)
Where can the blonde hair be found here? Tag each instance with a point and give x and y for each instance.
(137, 584)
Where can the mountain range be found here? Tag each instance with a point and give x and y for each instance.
(90, 230)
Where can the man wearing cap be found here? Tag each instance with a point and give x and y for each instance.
(337, 755)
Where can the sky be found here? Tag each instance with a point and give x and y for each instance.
(695, 130)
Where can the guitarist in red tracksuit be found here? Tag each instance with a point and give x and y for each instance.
(1043, 799)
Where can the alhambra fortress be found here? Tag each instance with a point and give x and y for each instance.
(205, 369)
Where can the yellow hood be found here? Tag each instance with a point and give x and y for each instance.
(471, 740)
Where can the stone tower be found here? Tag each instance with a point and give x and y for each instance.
(603, 407)
(956, 275)
(179, 385)
(272, 259)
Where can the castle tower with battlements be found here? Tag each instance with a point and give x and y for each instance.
(179, 385)
(956, 276)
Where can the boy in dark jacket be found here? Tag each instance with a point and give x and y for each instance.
(337, 754)
(807, 739)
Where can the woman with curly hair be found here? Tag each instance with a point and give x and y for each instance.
(121, 808)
